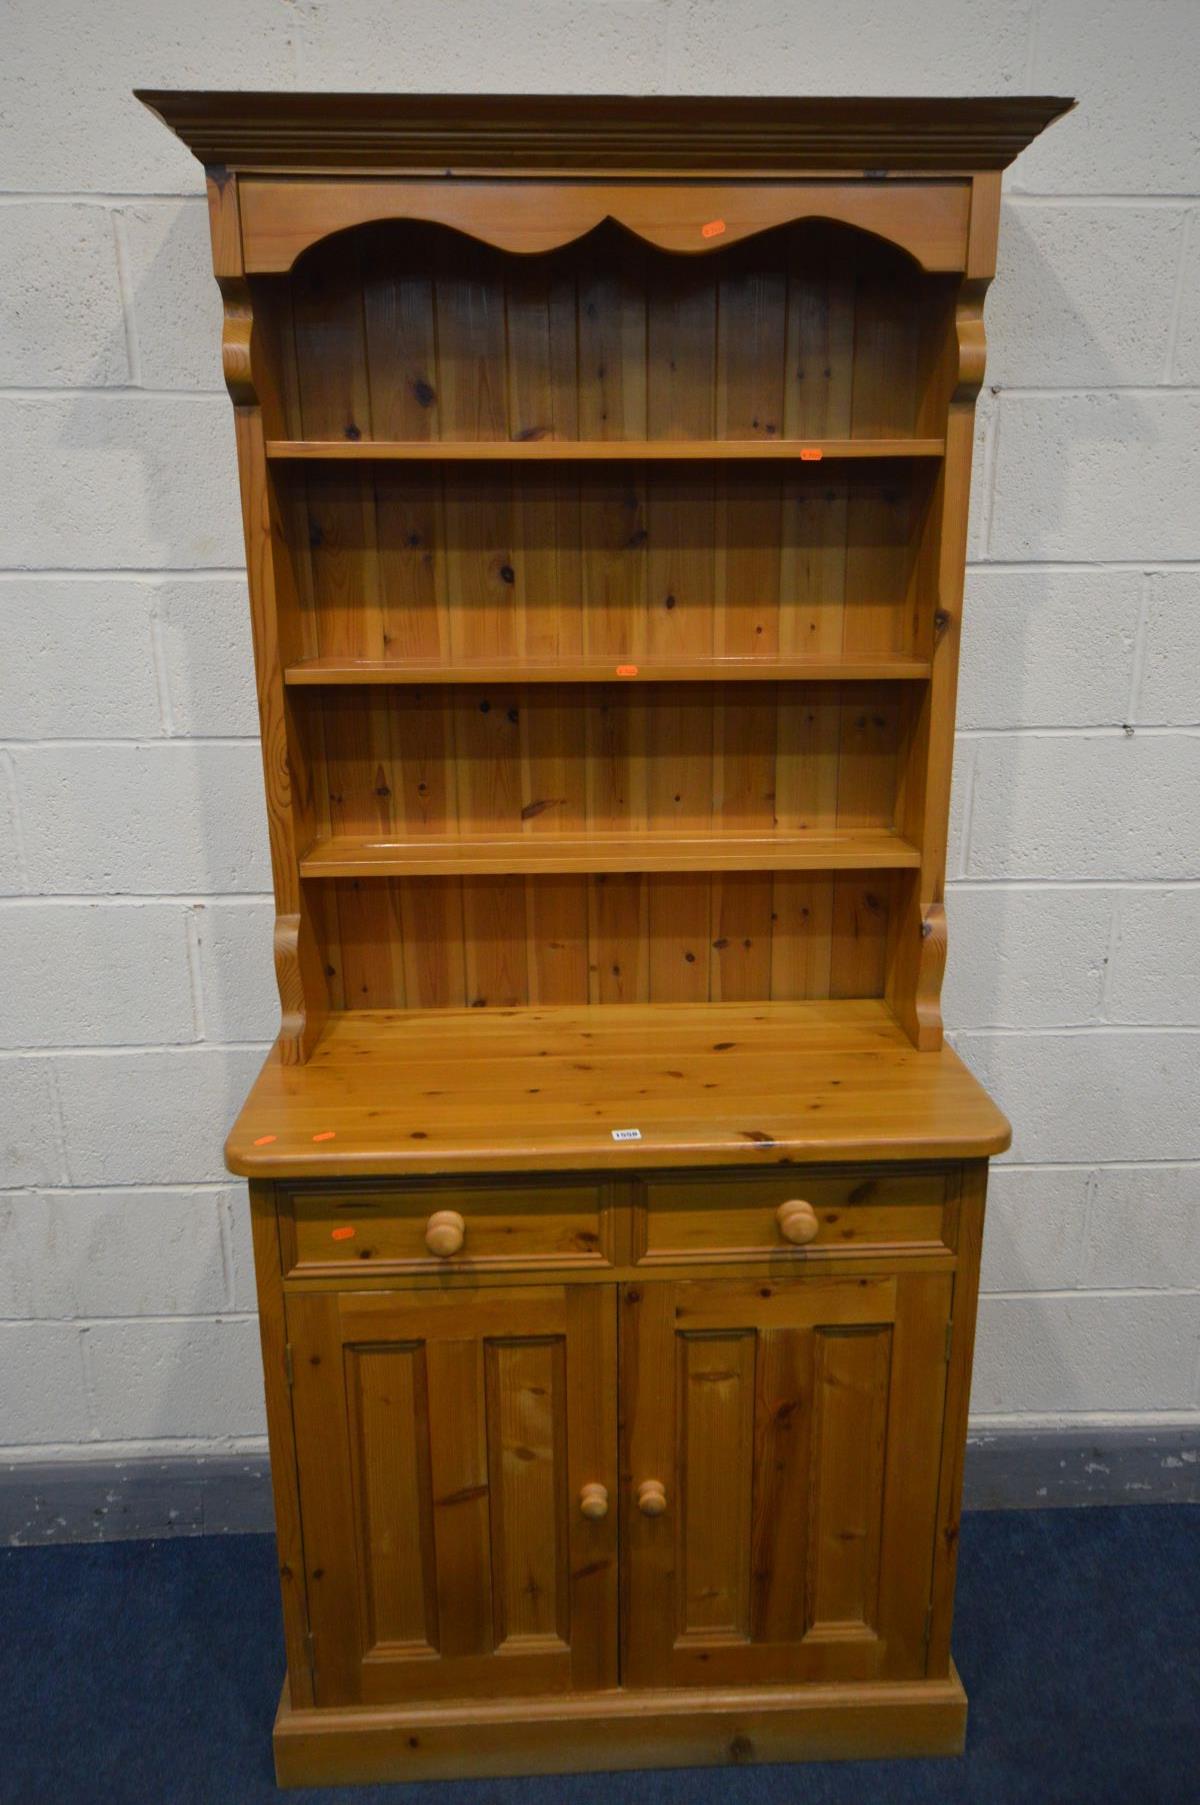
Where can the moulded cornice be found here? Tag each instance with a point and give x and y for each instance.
(665, 135)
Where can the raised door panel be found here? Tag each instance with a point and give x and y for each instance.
(444, 1443)
(793, 1430)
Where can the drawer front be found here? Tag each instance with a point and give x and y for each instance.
(445, 1228)
(798, 1214)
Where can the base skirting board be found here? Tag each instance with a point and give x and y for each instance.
(131, 1500)
(1037, 1469)
(1012, 1469)
(706, 1727)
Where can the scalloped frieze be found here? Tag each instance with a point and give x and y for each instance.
(926, 220)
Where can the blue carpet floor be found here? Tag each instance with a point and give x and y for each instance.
(149, 1672)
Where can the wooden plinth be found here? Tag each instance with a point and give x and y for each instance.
(615, 1730)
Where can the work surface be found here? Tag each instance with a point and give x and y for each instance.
(611, 1086)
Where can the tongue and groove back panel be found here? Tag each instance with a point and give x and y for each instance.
(659, 937)
(618, 827)
(408, 332)
(735, 770)
(638, 559)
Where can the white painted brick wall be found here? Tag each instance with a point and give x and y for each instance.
(1128, 1200)
(1027, 957)
(138, 1253)
(201, 1376)
(137, 819)
(1094, 476)
(113, 479)
(237, 968)
(1167, 692)
(1098, 1094)
(1086, 1353)
(1037, 1216)
(1185, 365)
(150, 1118)
(1083, 291)
(134, 926)
(173, 321)
(1156, 957)
(94, 974)
(1132, 69)
(1085, 805)
(207, 661)
(1047, 647)
(61, 325)
(106, 688)
(45, 1394)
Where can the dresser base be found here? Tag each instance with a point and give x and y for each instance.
(570, 1733)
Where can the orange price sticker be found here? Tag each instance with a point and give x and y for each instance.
(343, 1234)
(328, 1135)
(713, 229)
(264, 1140)
(627, 670)
(811, 457)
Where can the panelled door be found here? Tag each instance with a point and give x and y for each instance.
(780, 1454)
(456, 1457)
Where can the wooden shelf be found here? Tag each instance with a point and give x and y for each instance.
(392, 1091)
(345, 855)
(722, 485)
(312, 672)
(542, 451)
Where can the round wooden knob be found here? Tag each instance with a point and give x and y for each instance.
(593, 1501)
(652, 1497)
(445, 1233)
(797, 1221)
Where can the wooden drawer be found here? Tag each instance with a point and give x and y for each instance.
(847, 1210)
(398, 1228)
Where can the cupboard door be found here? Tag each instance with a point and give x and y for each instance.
(456, 1451)
(780, 1449)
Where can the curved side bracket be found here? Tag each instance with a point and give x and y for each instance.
(972, 343)
(298, 969)
(921, 944)
(237, 346)
(930, 971)
(289, 977)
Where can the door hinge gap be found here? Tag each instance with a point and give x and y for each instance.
(949, 1338)
(288, 1369)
